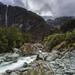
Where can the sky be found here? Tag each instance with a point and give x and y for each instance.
(54, 8)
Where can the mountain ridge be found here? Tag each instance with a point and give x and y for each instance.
(26, 20)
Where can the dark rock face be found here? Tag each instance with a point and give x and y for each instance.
(26, 20)
(2, 14)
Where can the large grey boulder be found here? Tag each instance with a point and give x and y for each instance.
(52, 56)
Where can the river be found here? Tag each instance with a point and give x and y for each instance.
(13, 61)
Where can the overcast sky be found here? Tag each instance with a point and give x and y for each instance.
(46, 7)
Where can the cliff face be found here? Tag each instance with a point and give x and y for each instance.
(26, 20)
(2, 14)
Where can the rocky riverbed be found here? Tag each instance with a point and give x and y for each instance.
(60, 63)
(12, 62)
(42, 63)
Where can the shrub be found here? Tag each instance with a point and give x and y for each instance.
(12, 37)
(58, 39)
(53, 40)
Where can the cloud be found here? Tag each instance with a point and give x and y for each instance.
(8, 2)
(66, 8)
(55, 7)
(35, 4)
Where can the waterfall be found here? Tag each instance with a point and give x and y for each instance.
(6, 16)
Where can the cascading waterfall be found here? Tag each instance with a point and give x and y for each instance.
(6, 16)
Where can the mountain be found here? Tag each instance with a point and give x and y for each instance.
(26, 20)
(59, 21)
(32, 5)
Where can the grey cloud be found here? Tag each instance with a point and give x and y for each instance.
(66, 8)
(55, 7)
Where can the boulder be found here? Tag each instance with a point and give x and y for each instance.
(53, 56)
(32, 48)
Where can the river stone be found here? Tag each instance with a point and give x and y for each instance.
(25, 64)
(13, 73)
(73, 53)
(42, 55)
(2, 74)
(52, 57)
(60, 71)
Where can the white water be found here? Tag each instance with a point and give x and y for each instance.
(10, 65)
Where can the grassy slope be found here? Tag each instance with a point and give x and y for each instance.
(60, 40)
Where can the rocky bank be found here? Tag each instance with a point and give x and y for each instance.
(42, 63)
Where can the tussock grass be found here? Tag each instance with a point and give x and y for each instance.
(60, 40)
